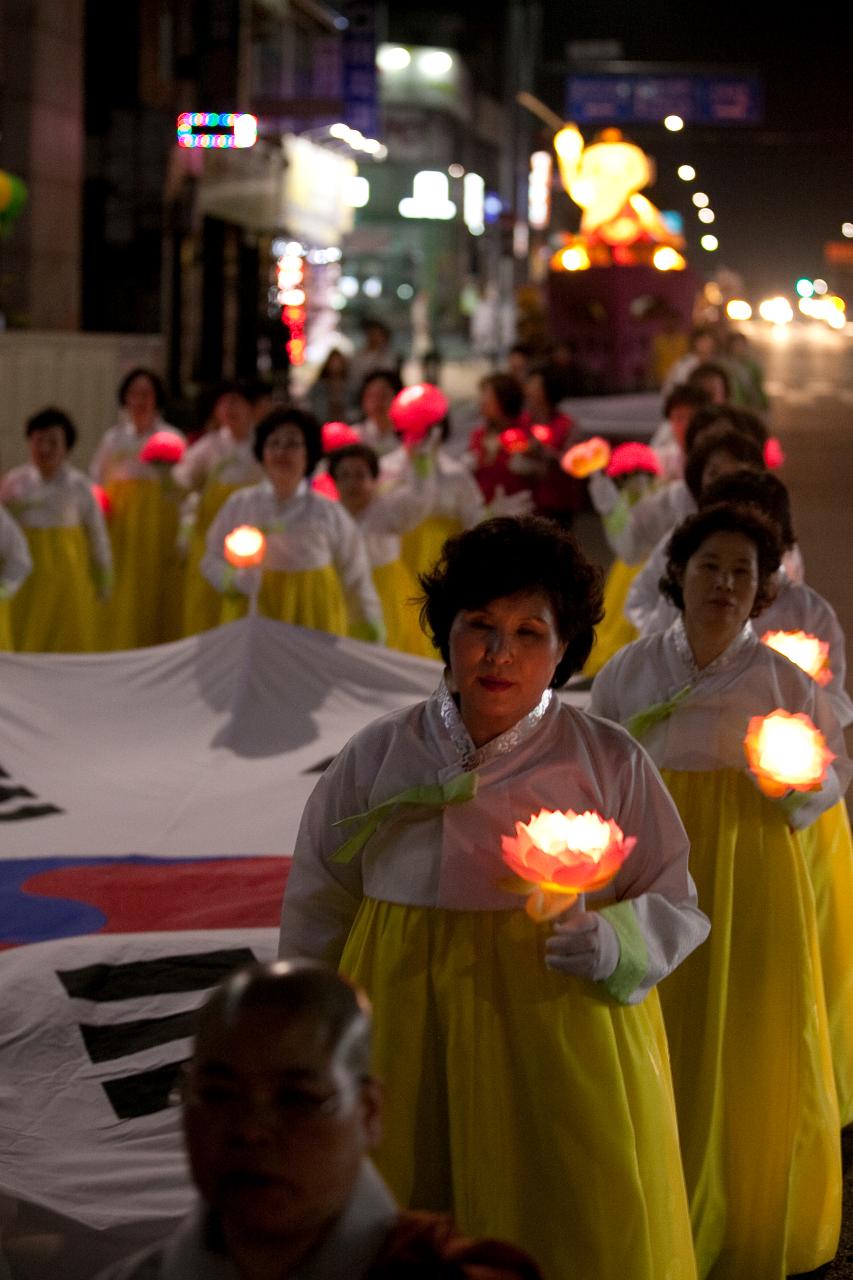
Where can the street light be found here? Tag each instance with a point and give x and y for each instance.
(674, 123)
(686, 172)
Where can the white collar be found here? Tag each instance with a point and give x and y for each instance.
(471, 756)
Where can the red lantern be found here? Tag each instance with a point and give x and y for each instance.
(633, 456)
(584, 458)
(415, 409)
(543, 433)
(774, 455)
(164, 447)
(336, 435)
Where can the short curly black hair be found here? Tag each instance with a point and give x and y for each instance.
(53, 418)
(720, 440)
(507, 555)
(726, 415)
(710, 369)
(759, 489)
(286, 417)
(725, 517)
(355, 450)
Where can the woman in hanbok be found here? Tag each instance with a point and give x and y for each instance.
(634, 529)
(746, 1015)
(375, 397)
(382, 518)
(315, 571)
(15, 564)
(212, 468)
(526, 1065)
(144, 504)
(56, 609)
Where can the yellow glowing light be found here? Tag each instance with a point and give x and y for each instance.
(710, 243)
(674, 123)
(834, 301)
(575, 258)
(392, 58)
(245, 547)
(809, 653)
(667, 259)
(557, 855)
(686, 172)
(776, 311)
(700, 200)
(786, 753)
(584, 458)
(738, 309)
(706, 215)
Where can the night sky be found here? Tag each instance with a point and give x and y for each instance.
(780, 190)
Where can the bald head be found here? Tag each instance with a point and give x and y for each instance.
(289, 991)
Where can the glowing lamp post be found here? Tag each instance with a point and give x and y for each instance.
(785, 752)
(417, 408)
(583, 459)
(245, 548)
(809, 653)
(558, 857)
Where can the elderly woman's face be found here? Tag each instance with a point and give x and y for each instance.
(720, 582)
(502, 658)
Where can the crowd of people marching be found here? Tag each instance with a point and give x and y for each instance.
(653, 1083)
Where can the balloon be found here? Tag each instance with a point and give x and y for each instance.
(417, 408)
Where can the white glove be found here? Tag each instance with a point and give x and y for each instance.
(585, 945)
(603, 493)
(510, 504)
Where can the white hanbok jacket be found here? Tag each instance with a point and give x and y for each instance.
(16, 563)
(450, 857)
(706, 730)
(634, 531)
(63, 502)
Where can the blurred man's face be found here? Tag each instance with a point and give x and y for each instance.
(236, 413)
(276, 1126)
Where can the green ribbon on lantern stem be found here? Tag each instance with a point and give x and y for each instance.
(639, 724)
(428, 795)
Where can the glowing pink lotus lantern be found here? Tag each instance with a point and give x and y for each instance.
(417, 408)
(774, 455)
(543, 433)
(336, 435)
(557, 856)
(515, 440)
(245, 547)
(103, 499)
(165, 447)
(583, 459)
(785, 752)
(633, 456)
(809, 653)
(324, 484)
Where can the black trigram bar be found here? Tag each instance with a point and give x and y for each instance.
(144, 1093)
(124, 1038)
(163, 976)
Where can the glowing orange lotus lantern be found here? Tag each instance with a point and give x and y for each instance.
(515, 439)
(338, 434)
(164, 447)
(415, 409)
(102, 498)
(785, 752)
(809, 653)
(557, 856)
(245, 547)
(585, 458)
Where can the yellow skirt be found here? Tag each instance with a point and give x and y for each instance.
(306, 597)
(829, 860)
(614, 630)
(527, 1104)
(421, 547)
(202, 603)
(145, 607)
(56, 608)
(5, 627)
(396, 588)
(746, 1019)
